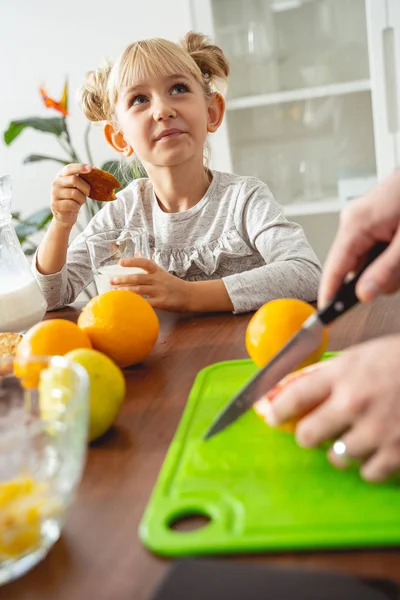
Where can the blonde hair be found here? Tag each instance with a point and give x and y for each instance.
(194, 55)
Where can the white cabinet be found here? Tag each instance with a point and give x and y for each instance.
(313, 95)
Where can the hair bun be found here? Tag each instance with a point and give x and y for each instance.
(93, 94)
(209, 58)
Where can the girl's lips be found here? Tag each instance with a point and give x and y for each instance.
(168, 134)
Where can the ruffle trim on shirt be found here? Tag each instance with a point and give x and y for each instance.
(206, 257)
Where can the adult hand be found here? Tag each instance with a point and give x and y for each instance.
(68, 194)
(354, 397)
(375, 217)
(161, 289)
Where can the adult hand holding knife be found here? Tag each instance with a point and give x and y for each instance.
(301, 345)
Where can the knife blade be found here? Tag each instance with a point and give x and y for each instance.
(297, 349)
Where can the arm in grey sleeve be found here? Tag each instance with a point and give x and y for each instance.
(292, 269)
(64, 287)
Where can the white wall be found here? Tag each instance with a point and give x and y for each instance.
(320, 231)
(41, 42)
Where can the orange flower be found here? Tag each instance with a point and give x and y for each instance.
(62, 105)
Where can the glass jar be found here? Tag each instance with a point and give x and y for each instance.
(22, 303)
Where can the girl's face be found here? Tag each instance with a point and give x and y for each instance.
(165, 119)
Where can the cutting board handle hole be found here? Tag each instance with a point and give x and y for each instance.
(189, 521)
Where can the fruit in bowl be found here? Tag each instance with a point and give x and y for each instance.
(25, 504)
(41, 455)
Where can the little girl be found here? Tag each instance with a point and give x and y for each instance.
(218, 241)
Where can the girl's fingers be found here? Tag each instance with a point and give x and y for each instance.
(143, 263)
(75, 169)
(71, 194)
(72, 181)
(132, 280)
(68, 206)
(141, 290)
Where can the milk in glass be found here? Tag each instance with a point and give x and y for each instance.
(105, 274)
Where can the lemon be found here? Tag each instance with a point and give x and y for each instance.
(56, 385)
(107, 388)
(24, 504)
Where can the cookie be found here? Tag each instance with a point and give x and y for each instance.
(102, 185)
(9, 343)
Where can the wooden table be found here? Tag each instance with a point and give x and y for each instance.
(99, 556)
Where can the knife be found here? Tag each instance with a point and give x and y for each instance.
(301, 345)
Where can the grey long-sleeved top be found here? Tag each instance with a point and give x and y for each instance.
(237, 232)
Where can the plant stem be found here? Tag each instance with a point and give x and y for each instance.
(65, 148)
(73, 153)
(87, 145)
(90, 211)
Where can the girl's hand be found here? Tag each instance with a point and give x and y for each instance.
(356, 397)
(68, 194)
(161, 289)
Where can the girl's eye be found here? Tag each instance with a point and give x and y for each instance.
(138, 100)
(179, 88)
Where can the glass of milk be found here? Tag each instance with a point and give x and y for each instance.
(108, 247)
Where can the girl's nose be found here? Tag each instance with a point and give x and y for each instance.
(163, 110)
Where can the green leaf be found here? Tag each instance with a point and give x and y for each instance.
(34, 223)
(114, 167)
(38, 157)
(40, 218)
(23, 231)
(54, 125)
(138, 171)
(124, 173)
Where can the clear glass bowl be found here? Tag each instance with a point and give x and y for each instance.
(43, 440)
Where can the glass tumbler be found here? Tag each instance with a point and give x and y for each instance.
(108, 247)
(43, 440)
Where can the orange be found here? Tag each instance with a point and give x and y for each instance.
(53, 337)
(122, 325)
(47, 338)
(274, 324)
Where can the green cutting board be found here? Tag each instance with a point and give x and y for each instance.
(260, 490)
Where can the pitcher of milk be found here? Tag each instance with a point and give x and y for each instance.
(22, 303)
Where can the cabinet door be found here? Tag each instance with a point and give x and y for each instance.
(394, 61)
(383, 35)
(307, 101)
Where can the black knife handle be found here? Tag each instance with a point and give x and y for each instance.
(346, 297)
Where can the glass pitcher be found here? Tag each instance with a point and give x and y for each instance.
(22, 303)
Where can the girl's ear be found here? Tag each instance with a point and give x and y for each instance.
(216, 111)
(117, 140)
